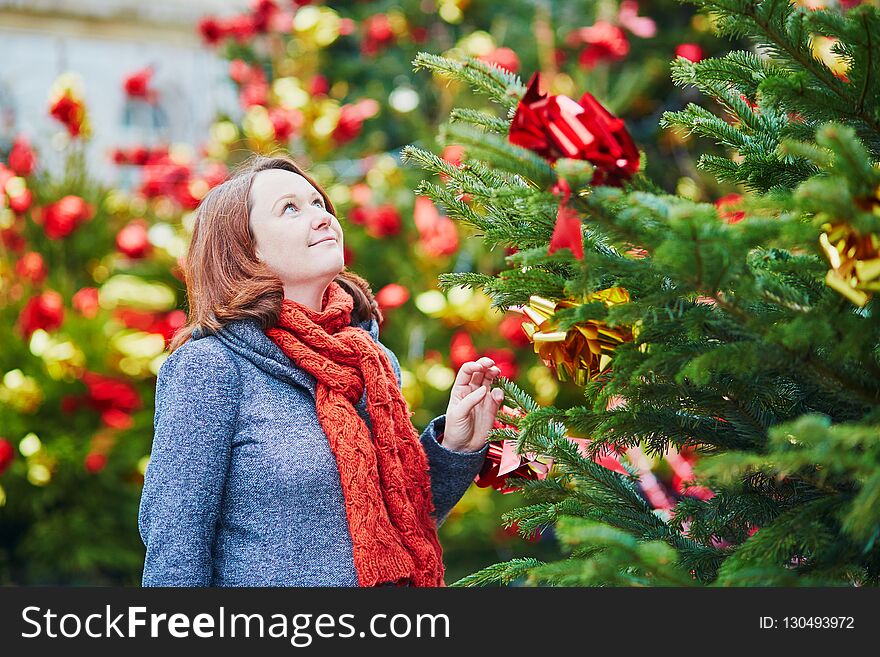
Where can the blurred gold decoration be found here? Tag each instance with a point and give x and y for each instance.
(134, 292)
(584, 350)
(63, 359)
(854, 260)
(316, 27)
(461, 307)
(20, 392)
(823, 49)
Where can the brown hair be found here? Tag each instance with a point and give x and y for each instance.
(224, 278)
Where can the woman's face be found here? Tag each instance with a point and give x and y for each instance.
(291, 228)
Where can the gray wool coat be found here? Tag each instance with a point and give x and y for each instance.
(242, 488)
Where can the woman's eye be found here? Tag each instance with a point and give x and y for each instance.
(291, 205)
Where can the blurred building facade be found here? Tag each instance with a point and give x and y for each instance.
(104, 41)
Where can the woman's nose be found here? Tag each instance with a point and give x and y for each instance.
(325, 219)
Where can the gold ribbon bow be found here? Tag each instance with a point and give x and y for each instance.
(854, 260)
(582, 352)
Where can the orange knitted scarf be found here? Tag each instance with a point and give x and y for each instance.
(384, 477)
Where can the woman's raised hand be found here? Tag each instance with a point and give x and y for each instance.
(472, 406)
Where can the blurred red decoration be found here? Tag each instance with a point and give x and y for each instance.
(85, 302)
(22, 159)
(351, 119)
(31, 267)
(95, 462)
(70, 111)
(383, 221)
(438, 236)
(137, 85)
(604, 42)
(132, 240)
(461, 349)
(641, 26)
(726, 206)
(690, 51)
(510, 329)
(7, 454)
(44, 311)
(378, 34)
(503, 57)
(392, 295)
(65, 215)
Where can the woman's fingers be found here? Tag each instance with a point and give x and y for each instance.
(471, 374)
(473, 398)
(479, 374)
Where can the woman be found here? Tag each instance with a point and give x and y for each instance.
(283, 453)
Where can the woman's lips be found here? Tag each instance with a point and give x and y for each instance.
(326, 239)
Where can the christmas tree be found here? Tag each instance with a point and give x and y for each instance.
(742, 330)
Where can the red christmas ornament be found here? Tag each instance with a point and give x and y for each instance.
(690, 51)
(12, 239)
(319, 86)
(452, 154)
(505, 360)
(263, 13)
(44, 311)
(31, 267)
(359, 215)
(85, 302)
(503, 466)
(70, 112)
(392, 295)
(641, 26)
(240, 71)
(726, 208)
(65, 215)
(95, 462)
(510, 329)
(20, 202)
(285, 122)
(437, 234)
(351, 119)
(211, 30)
(22, 158)
(132, 240)
(378, 34)
(504, 58)
(240, 27)
(604, 42)
(461, 349)
(383, 221)
(557, 126)
(346, 26)
(347, 255)
(254, 93)
(137, 85)
(105, 393)
(116, 419)
(7, 454)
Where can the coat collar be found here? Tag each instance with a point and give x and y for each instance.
(246, 338)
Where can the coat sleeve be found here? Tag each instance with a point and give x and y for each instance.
(197, 398)
(452, 472)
